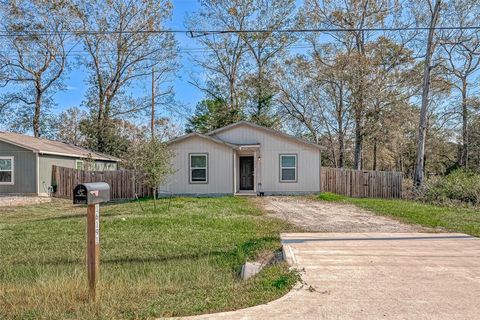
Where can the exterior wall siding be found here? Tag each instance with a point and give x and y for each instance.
(220, 168)
(25, 170)
(47, 161)
(268, 166)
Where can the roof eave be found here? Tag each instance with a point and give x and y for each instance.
(203, 136)
(82, 156)
(299, 140)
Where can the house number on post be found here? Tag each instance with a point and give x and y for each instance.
(92, 194)
(97, 224)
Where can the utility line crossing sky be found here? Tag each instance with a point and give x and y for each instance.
(185, 93)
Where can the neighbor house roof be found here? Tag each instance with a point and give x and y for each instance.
(202, 136)
(256, 126)
(45, 146)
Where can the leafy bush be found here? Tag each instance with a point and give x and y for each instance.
(459, 186)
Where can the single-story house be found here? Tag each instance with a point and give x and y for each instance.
(26, 162)
(243, 158)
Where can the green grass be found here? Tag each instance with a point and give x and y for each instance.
(181, 262)
(465, 220)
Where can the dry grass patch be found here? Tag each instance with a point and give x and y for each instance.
(170, 263)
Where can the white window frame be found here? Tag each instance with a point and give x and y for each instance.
(295, 167)
(12, 158)
(79, 161)
(190, 168)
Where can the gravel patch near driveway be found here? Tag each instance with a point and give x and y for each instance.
(324, 216)
(10, 201)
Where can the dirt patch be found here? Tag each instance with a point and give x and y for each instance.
(10, 201)
(323, 216)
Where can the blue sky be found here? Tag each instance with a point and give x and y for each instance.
(185, 93)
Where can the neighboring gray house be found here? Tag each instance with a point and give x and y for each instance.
(26, 162)
(243, 158)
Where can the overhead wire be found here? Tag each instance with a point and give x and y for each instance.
(196, 33)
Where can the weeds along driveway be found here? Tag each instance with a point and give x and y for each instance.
(323, 216)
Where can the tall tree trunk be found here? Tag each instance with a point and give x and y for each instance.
(341, 133)
(358, 141)
(375, 155)
(38, 108)
(341, 151)
(465, 142)
(152, 120)
(359, 104)
(422, 126)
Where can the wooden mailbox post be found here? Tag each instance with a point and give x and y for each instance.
(92, 194)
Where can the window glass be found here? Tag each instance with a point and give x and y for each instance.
(5, 176)
(199, 175)
(288, 168)
(6, 170)
(198, 168)
(79, 164)
(288, 174)
(199, 161)
(288, 161)
(5, 164)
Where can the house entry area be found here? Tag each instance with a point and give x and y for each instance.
(247, 172)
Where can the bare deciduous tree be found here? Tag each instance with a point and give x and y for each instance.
(35, 56)
(431, 43)
(123, 46)
(225, 61)
(462, 50)
(352, 16)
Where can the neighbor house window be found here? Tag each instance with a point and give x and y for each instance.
(198, 168)
(288, 167)
(79, 164)
(6, 170)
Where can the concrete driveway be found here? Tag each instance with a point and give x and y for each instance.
(377, 276)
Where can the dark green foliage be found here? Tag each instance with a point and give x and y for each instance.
(112, 137)
(211, 114)
(263, 113)
(458, 186)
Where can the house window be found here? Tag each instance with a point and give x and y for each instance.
(288, 168)
(79, 164)
(198, 168)
(6, 170)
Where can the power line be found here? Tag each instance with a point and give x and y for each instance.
(84, 53)
(200, 33)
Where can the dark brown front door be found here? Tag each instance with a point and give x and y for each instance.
(246, 173)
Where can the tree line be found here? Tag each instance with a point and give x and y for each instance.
(382, 84)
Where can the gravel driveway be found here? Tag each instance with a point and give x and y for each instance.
(9, 201)
(321, 216)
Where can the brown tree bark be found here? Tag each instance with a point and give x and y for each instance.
(38, 107)
(465, 138)
(422, 126)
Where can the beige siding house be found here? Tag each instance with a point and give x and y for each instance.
(244, 158)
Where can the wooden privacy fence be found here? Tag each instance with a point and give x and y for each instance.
(361, 183)
(123, 183)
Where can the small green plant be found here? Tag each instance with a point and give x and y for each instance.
(459, 186)
(331, 197)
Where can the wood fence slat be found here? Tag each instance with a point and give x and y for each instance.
(362, 183)
(123, 185)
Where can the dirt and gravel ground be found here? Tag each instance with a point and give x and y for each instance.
(323, 216)
(9, 201)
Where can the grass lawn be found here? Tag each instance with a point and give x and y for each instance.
(171, 263)
(456, 219)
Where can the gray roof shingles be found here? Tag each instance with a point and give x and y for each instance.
(45, 146)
